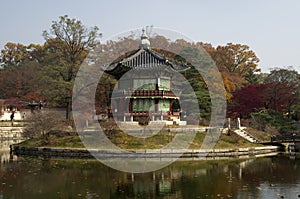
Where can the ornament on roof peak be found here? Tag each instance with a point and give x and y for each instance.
(144, 43)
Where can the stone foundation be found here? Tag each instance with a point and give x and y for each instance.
(147, 153)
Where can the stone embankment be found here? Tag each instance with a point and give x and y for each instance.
(148, 153)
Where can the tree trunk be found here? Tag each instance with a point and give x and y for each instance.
(68, 110)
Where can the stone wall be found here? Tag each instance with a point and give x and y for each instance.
(148, 153)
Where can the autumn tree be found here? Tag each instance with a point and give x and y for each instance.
(17, 82)
(15, 55)
(247, 100)
(17, 79)
(12, 55)
(17, 74)
(236, 58)
(279, 93)
(71, 40)
(236, 63)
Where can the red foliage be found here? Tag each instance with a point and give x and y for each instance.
(14, 103)
(32, 96)
(276, 95)
(247, 99)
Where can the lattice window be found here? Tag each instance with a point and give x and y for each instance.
(164, 84)
(144, 84)
(164, 105)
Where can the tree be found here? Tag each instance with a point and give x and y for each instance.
(15, 55)
(71, 40)
(12, 55)
(284, 89)
(247, 100)
(254, 77)
(236, 58)
(236, 63)
(196, 80)
(283, 75)
(20, 64)
(276, 96)
(41, 123)
(18, 82)
(272, 122)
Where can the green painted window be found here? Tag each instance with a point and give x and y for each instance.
(143, 105)
(164, 105)
(144, 84)
(135, 106)
(164, 84)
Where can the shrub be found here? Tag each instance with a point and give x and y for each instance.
(41, 123)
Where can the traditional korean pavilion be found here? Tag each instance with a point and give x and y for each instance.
(145, 86)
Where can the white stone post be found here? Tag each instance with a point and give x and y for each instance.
(238, 123)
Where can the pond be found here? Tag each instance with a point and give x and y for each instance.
(265, 177)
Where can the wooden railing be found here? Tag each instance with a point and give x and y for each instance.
(292, 138)
(150, 113)
(145, 93)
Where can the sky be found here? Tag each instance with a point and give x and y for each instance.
(271, 28)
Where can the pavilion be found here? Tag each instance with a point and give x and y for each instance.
(144, 90)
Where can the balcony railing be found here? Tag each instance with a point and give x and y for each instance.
(146, 93)
(150, 114)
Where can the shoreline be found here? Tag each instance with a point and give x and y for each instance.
(151, 154)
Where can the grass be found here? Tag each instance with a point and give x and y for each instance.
(233, 141)
(71, 141)
(157, 141)
(125, 141)
(260, 135)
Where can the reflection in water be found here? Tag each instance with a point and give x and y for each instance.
(270, 177)
(5, 155)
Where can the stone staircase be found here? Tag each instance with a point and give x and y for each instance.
(11, 132)
(176, 121)
(241, 132)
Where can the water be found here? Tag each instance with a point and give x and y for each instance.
(35, 178)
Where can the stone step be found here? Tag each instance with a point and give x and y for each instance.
(11, 129)
(245, 135)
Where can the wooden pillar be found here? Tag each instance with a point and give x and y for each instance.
(130, 106)
(156, 102)
(158, 83)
